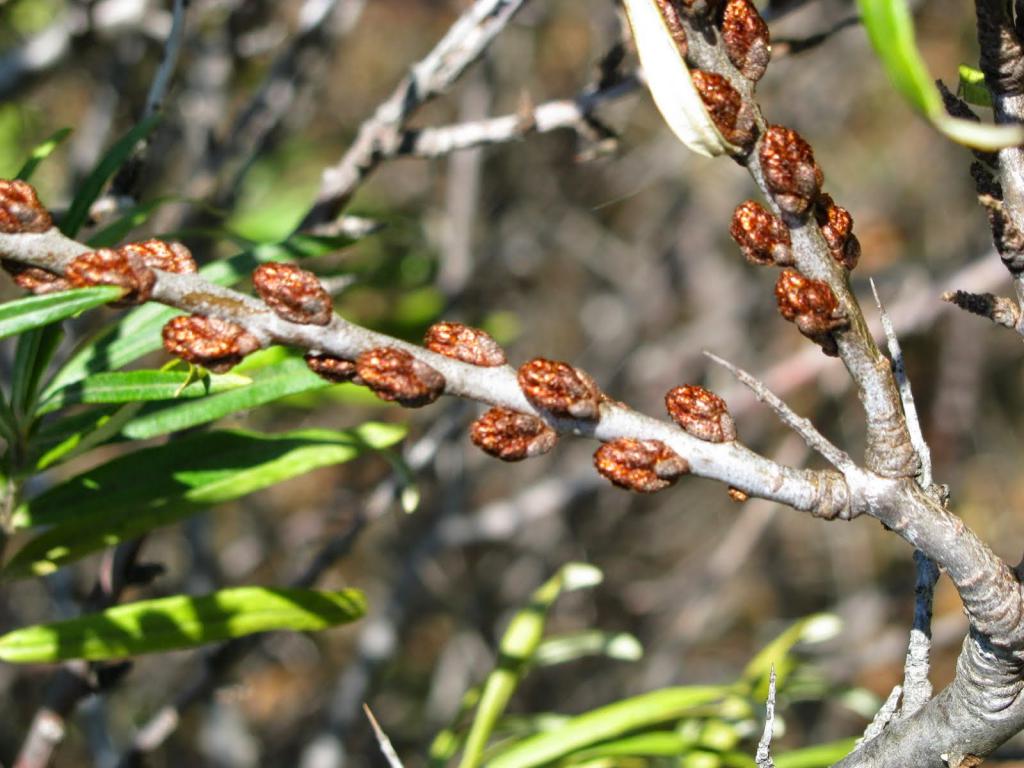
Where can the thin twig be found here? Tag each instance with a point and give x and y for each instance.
(380, 136)
(917, 688)
(382, 739)
(763, 758)
(803, 427)
(906, 394)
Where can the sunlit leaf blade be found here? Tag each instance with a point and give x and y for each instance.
(971, 87)
(890, 28)
(518, 645)
(33, 311)
(135, 386)
(621, 646)
(41, 152)
(651, 744)
(287, 378)
(608, 722)
(816, 628)
(173, 623)
(669, 81)
(157, 486)
(79, 433)
(138, 332)
(93, 184)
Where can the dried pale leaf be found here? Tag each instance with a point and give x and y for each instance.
(668, 80)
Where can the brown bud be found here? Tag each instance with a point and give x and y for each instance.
(674, 24)
(110, 267)
(701, 413)
(293, 293)
(793, 177)
(812, 305)
(395, 375)
(20, 209)
(644, 466)
(512, 436)
(737, 495)
(837, 228)
(167, 257)
(470, 345)
(745, 38)
(211, 342)
(733, 118)
(34, 279)
(761, 235)
(336, 370)
(560, 389)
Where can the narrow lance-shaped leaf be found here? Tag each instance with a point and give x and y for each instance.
(173, 623)
(93, 184)
(890, 28)
(35, 311)
(518, 645)
(551, 651)
(816, 628)
(668, 80)
(611, 721)
(41, 152)
(156, 486)
(288, 378)
(136, 386)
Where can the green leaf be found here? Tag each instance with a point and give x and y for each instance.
(608, 722)
(34, 352)
(73, 436)
(34, 311)
(138, 332)
(41, 152)
(972, 88)
(651, 744)
(157, 486)
(173, 623)
(621, 646)
(819, 756)
(554, 650)
(816, 628)
(134, 386)
(287, 378)
(93, 184)
(668, 80)
(518, 645)
(890, 28)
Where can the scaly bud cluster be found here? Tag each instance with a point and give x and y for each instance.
(644, 466)
(167, 257)
(336, 370)
(20, 209)
(837, 228)
(733, 118)
(745, 38)
(812, 306)
(211, 342)
(109, 267)
(761, 235)
(512, 436)
(38, 281)
(293, 293)
(461, 342)
(792, 175)
(560, 389)
(701, 413)
(396, 376)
